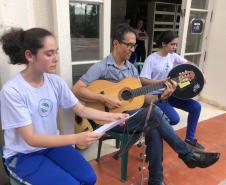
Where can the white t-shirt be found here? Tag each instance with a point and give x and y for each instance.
(22, 104)
(157, 67)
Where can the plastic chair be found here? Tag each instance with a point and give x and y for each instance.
(121, 141)
(12, 179)
(139, 66)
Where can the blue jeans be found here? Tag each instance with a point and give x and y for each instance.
(160, 129)
(58, 166)
(191, 106)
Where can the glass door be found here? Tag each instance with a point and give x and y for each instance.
(87, 34)
(195, 20)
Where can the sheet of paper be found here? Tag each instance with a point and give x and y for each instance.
(104, 128)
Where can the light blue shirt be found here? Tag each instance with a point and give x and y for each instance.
(107, 69)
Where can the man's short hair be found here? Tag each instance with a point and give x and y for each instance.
(121, 30)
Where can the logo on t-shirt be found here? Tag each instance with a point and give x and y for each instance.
(45, 107)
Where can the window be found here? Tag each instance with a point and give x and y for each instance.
(85, 31)
(78, 71)
(194, 41)
(200, 4)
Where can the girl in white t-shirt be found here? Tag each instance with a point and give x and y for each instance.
(156, 69)
(34, 152)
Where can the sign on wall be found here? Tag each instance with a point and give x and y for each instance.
(197, 26)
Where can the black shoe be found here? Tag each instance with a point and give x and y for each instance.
(200, 159)
(194, 145)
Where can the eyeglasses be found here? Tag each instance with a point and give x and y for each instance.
(129, 45)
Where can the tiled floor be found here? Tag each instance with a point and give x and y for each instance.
(176, 173)
(211, 133)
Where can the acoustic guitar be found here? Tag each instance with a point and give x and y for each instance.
(131, 93)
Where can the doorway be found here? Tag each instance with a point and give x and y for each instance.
(163, 15)
(157, 16)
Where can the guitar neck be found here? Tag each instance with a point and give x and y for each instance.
(149, 88)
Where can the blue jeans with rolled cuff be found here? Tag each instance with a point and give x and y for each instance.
(157, 130)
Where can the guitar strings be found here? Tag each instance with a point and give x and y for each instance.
(146, 89)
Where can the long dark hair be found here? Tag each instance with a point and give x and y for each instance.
(165, 37)
(16, 41)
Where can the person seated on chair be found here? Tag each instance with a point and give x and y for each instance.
(116, 67)
(34, 151)
(156, 69)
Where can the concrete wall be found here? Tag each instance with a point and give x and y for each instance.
(16, 14)
(214, 91)
(43, 14)
(26, 14)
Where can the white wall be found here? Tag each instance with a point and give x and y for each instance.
(43, 14)
(214, 91)
(16, 14)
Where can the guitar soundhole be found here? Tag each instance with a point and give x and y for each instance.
(126, 95)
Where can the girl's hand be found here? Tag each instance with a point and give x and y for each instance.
(87, 138)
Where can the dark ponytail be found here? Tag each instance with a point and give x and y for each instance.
(165, 37)
(12, 45)
(16, 41)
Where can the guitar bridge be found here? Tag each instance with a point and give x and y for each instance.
(183, 84)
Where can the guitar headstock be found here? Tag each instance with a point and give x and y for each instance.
(186, 76)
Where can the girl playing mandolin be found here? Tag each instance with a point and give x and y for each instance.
(156, 69)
